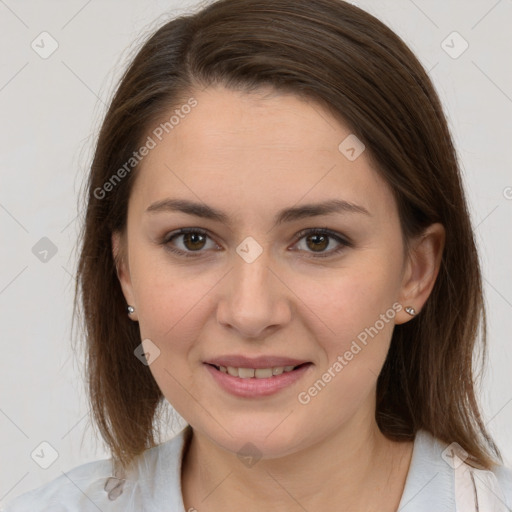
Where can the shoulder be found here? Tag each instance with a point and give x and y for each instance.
(438, 473)
(91, 487)
(76, 489)
(504, 477)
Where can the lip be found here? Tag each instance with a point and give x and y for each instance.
(253, 387)
(254, 362)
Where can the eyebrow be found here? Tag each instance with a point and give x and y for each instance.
(286, 215)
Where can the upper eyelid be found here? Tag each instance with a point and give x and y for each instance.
(330, 232)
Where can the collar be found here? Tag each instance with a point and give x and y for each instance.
(429, 484)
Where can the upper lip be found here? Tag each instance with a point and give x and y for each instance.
(254, 362)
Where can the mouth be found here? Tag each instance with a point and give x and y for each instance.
(253, 383)
(257, 373)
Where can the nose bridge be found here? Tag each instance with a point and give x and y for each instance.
(251, 265)
(252, 301)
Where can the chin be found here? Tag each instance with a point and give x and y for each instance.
(260, 438)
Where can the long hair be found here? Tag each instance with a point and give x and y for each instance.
(340, 56)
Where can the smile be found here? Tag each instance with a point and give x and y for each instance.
(257, 373)
(256, 382)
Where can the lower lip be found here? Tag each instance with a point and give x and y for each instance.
(253, 387)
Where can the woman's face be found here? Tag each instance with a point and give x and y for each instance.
(252, 282)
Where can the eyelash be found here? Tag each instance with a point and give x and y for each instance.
(302, 234)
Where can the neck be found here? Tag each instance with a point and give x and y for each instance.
(356, 467)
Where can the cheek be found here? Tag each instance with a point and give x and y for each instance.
(343, 304)
(173, 308)
(168, 296)
(172, 312)
(352, 324)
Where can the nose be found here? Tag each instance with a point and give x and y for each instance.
(254, 300)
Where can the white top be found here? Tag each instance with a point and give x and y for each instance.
(432, 484)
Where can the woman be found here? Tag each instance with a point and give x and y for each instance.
(278, 244)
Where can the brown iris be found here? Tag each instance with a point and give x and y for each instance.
(320, 241)
(196, 240)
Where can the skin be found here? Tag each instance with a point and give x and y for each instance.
(251, 155)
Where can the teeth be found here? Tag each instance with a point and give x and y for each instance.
(233, 371)
(246, 373)
(263, 373)
(258, 373)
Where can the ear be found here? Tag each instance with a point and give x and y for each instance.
(123, 271)
(421, 270)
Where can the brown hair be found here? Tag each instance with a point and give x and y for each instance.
(342, 57)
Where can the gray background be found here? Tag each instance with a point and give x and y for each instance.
(51, 109)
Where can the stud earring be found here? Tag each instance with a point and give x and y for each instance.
(410, 310)
(130, 309)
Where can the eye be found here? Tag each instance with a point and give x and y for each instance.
(316, 241)
(193, 240)
(319, 239)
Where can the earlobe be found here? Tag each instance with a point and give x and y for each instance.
(423, 264)
(123, 272)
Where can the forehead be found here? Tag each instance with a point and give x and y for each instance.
(259, 148)
(234, 124)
